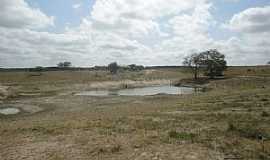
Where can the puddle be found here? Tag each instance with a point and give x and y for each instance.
(13, 109)
(145, 91)
(9, 111)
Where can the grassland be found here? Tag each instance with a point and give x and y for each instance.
(231, 120)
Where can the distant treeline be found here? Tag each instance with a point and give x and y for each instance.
(96, 68)
(42, 69)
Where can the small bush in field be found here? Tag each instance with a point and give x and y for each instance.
(181, 135)
(231, 127)
(265, 114)
(247, 131)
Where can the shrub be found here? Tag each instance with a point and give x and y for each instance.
(265, 114)
(247, 131)
(181, 135)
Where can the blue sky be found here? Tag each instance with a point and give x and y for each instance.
(152, 32)
(223, 11)
(65, 15)
(63, 11)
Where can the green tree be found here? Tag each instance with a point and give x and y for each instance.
(113, 67)
(64, 64)
(38, 68)
(134, 67)
(213, 62)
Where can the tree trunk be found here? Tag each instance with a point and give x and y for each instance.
(196, 73)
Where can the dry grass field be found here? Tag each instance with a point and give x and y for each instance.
(230, 120)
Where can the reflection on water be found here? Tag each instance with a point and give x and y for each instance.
(145, 91)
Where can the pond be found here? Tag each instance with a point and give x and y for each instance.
(9, 111)
(144, 91)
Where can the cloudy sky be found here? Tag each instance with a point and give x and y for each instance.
(147, 32)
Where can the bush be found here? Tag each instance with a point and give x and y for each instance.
(231, 127)
(181, 135)
(247, 131)
(134, 67)
(265, 114)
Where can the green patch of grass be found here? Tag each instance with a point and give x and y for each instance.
(181, 135)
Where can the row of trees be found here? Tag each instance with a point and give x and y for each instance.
(114, 67)
(64, 64)
(212, 62)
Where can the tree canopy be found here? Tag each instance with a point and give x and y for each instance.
(211, 61)
(64, 64)
(193, 61)
(134, 67)
(113, 67)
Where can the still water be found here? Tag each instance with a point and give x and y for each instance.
(9, 111)
(144, 91)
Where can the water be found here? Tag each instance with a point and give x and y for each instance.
(9, 111)
(145, 91)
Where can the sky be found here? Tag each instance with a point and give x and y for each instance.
(145, 32)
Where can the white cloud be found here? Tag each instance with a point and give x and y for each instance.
(149, 32)
(242, 51)
(76, 6)
(18, 14)
(252, 20)
(108, 11)
(189, 33)
(252, 46)
(234, 1)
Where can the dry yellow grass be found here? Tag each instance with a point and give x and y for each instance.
(227, 121)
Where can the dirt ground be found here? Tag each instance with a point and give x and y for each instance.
(228, 121)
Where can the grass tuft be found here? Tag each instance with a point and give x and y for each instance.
(181, 135)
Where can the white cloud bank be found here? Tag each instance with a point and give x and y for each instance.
(76, 6)
(252, 46)
(152, 32)
(252, 20)
(18, 14)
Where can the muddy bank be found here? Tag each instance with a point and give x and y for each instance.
(124, 84)
(44, 90)
(202, 84)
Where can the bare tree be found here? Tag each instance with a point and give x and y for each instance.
(193, 62)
